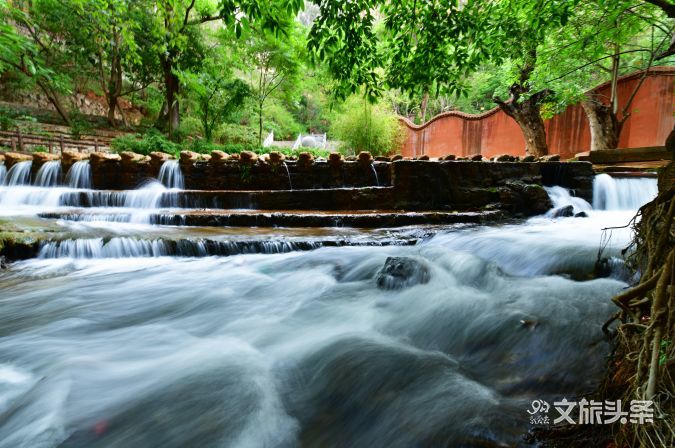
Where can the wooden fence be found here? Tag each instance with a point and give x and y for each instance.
(21, 141)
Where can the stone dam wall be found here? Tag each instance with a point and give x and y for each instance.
(336, 184)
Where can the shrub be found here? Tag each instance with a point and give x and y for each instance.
(236, 134)
(280, 121)
(151, 141)
(78, 127)
(362, 126)
(40, 148)
(7, 119)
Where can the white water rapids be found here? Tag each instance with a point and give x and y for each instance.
(138, 349)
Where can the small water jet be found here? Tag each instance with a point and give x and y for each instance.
(49, 174)
(288, 174)
(3, 173)
(377, 179)
(79, 175)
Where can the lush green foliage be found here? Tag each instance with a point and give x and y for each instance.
(154, 141)
(145, 144)
(362, 126)
(228, 72)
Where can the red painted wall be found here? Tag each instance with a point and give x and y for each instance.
(493, 132)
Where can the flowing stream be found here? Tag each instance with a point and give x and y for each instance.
(109, 342)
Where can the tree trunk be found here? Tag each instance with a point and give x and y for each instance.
(260, 123)
(51, 96)
(423, 107)
(527, 111)
(605, 128)
(528, 116)
(532, 125)
(171, 90)
(114, 88)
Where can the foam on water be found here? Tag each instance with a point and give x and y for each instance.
(262, 341)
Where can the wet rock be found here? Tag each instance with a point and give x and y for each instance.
(131, 157)
(42, 157)
(219, 156)
(335, 159)
(157, 159)
(12, 158)
(476, 158)
(581, 215)
(564, 212)
(188, 157)
(101, 157)
(422, 157)
(365, 158)
(525, 199)
(551, 158)
(276, 158)
(397, 157)
(248, 157)
(529, 159)
(382, 159)
(3, 263)
(504, 158)
(305, 160)
(402, 272)
(450, 157)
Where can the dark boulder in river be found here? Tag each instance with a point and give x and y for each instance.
(402, 272)
(564, 212)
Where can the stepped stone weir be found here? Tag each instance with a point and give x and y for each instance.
(248, 190)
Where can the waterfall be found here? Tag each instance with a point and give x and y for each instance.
(610, 193)
(19, 174)
(171, 176)
(49, 174)
(3, 173)
(127, 247)
(79, 175)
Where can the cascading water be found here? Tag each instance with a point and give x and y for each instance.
(79, 175)
(611, 193)
(19, 174)
(171, 176)
(101, 344)
(3, 173)
(561, 197)
(49, 174)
